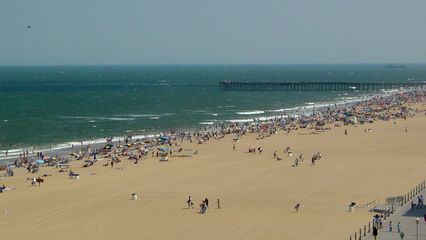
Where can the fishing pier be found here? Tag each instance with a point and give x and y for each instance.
(314, 86)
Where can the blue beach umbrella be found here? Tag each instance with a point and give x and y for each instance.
(163, 149)
(39, 161)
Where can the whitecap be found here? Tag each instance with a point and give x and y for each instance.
(117, 119)
(277, 110)
(251, 112)
(240, 120)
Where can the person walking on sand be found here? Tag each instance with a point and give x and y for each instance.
(204, 205)
(233, 147)
(218, 203)
(346, 132)
(390, 226)
(375, 233)
(190, 203)
(398, 226)
(297, 207)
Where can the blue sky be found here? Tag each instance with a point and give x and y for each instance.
(97, 32)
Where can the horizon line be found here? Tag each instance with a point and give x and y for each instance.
(206, 64)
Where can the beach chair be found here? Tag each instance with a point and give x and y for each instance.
(62, 165)
(73, 175)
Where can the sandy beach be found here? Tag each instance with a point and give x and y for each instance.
(257, 192)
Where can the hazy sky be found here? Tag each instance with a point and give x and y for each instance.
(211, 32)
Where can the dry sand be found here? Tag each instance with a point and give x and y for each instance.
(257, 193)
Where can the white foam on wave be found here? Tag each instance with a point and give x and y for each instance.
(116, 118)
(206, 123)
(277, 110)
(74, 117)
(240, 120)
(255, 112)
(119, 117)
(143, 115)
(154, 118)
(269, 118)
(12, 151)
(93, 119)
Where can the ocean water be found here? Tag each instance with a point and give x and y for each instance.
(59, 104)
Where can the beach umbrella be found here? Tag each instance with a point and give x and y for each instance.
(163, 139)
(163, 149)
(39, 161)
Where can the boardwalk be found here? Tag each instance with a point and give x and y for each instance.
(407, 218)
(314, 86)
